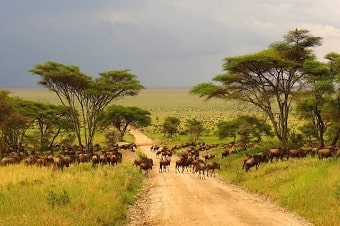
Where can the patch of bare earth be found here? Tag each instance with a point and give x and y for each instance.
(172, 198)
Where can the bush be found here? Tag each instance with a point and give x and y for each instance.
(54, 198)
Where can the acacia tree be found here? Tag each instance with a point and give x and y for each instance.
(332, 108)
(315, 97)
(319, 103)
(79, 91)
(194, 128)
(12, 124)
(266, 79)
(248, 128)
(123, 117)
(227, 129)
(51, 120)
(170, 125)
(68, 83)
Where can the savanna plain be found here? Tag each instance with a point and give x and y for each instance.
(84, 195)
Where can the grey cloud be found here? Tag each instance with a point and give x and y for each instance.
(165, 43)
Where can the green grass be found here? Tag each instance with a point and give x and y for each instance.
(77, 196)
(308, 187)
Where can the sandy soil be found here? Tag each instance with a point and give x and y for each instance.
(183, 199)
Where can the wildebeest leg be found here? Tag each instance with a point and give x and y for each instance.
(244, 162)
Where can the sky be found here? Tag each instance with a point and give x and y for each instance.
(165, 43)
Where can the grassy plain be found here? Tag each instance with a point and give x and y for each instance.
(161, 102)
(79, 195)
(308, 187)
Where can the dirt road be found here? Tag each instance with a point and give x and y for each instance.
(182, 199)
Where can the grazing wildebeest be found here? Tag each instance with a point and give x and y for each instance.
(225, 153)
(326, 152)
(146, 166)
(297, 153)
(277, 153)
(212, 166)
(58, 162)
(209, 156)
(95, 160)
(263, 156)
(250, 162)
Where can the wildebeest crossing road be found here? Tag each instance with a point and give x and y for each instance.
(171, 198)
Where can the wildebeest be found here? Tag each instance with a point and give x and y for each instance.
(154, 148)
(297, 153)
(200, 167)
(95, 160)
(277, 153)
(183, 162)
(145, 164)
(212, 166)
(7, 161)
(225, 153)
(30, 161)
(58, 162)
(209, 156)
(164, 164)
(326, 152)
(250, 162)
(128, 146)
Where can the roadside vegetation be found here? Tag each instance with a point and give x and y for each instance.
(79, 195)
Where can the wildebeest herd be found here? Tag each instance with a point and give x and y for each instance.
(281, 154)
(189, 160)
(196, 158)
(193, 157)
(59, 157)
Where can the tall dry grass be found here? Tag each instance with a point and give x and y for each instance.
(80, 195)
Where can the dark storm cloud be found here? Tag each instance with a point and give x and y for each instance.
(165, 43)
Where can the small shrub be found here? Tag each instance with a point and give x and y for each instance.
(54, 198)
(141, 155)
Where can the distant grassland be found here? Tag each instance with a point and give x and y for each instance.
(161, 102)
(35, 94)
(164, 102)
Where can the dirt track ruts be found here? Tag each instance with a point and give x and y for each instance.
(183, 199)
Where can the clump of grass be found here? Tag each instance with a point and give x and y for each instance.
(238, 177)
(58, 198)
(141, 155)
